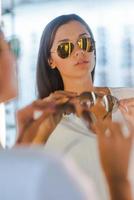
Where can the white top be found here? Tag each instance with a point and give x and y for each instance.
(71, 138)
(26, 174)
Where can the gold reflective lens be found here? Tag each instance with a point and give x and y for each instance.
(86, 44)
(65, 49)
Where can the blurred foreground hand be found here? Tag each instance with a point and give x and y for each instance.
(8, 77)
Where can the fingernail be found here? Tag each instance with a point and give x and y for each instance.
(107, 133)
(37, 114)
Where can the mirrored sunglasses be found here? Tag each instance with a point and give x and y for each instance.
(65, 49)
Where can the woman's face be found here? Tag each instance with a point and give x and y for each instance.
(80, 62)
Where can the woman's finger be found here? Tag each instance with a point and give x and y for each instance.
(29, 128)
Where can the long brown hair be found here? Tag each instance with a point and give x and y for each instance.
(50, 80)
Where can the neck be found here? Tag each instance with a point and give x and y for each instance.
(78, 85)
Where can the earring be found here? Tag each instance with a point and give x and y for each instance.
(52, 67)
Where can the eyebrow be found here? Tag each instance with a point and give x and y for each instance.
(66, 39)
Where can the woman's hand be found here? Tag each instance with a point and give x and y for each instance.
(114, 144)
(127, 108)
(37, 120)
(93, 114)
(34, 124)
(114, 149)
(112, 141)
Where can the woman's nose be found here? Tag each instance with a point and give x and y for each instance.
(79, 52)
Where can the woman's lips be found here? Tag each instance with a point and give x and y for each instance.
(81, 62)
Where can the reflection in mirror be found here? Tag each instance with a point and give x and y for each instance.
(71, 137)
(110, 42)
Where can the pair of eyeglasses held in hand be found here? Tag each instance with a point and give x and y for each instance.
(109, 102)
(89, 100)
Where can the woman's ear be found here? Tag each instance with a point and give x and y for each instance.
(51, 63)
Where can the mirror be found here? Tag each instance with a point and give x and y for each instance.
(114, 42)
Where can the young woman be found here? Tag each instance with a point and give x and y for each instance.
(65, 69)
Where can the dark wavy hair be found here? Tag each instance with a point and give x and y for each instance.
(50, 80)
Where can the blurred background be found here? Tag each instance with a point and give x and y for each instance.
(112, 23)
